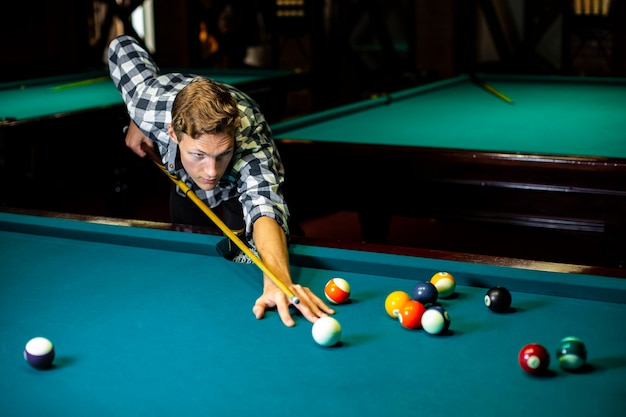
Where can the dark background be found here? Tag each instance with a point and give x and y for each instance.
(347, 50)
(352, 48)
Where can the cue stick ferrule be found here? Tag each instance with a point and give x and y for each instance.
(219, 223)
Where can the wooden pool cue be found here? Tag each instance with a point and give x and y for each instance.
(219, 223)
(80, 83)
(482, 84)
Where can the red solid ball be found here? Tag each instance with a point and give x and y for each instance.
(410, 315)
(534, 359)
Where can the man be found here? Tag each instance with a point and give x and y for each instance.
(216, 140)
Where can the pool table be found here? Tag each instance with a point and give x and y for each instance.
(73, 123)
(150, 321)
(553, 159)
(28, 101)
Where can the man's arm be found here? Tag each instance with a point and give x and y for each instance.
(129, 65)
(271, 243)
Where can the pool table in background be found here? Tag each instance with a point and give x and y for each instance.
(52, 126)
(552, 160)
(150, 321)
(29, 101)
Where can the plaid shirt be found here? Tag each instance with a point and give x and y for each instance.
(256, 172)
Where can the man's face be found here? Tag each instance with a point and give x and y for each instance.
(206, 158)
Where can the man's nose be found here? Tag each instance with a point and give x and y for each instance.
(210, 167)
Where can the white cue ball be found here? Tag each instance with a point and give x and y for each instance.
(326, 331)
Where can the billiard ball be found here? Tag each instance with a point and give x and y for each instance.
(571, 354)
(425, 292)
(410, 315)
(394, 302)
(326, 331)
(337, 290)
(435, 320)
(445, 283)
(498, 299)
(39, 353)
(534, 359)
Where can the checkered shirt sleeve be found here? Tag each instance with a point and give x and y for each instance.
(256, 176)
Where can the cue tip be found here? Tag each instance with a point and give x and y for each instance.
(295, 300)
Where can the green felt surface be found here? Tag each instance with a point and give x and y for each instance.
(90, 91)
(563, 116)
(153, 323)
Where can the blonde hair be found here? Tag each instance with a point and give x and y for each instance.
(205, 107)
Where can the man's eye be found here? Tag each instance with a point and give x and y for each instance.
(224, 156)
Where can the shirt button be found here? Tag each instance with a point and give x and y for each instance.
(171, 166)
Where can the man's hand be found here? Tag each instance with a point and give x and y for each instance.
(310, 305)
(134, 139)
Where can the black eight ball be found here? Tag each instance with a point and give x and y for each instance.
(498, 299)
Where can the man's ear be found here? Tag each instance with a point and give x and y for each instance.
(171, 133)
